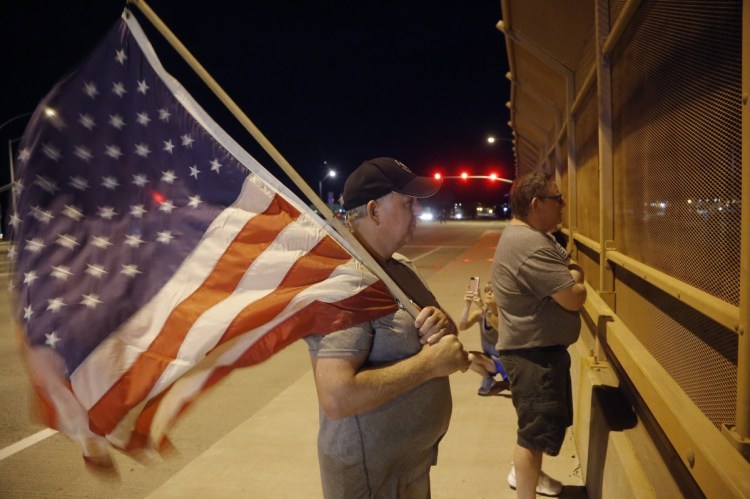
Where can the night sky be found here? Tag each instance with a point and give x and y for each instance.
(336, 82)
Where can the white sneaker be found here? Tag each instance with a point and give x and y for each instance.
(545, 485)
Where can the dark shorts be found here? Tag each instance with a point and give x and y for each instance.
(540, 388)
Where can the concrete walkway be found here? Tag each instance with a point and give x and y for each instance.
(273, 453)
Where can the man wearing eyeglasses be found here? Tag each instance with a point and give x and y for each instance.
(539, 292)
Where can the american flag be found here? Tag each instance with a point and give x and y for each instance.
(152, 255)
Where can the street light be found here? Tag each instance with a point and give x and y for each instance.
(331, 173)
(491, 139)
(10, 159)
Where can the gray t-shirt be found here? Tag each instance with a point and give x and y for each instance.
(527, 269)
(374, 454)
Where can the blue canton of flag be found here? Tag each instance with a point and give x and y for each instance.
(117, 183)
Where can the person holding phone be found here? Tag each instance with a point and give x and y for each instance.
(486, 362)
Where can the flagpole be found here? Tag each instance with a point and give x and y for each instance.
(362, 254)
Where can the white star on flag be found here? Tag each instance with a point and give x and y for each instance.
(34, 245)
(79, 183)
(130, 270)
(41, 215)
(142, 150)
(87, 121)
(119, 89)
(140, 180)
(113, 151)
(106, 212)
(168, 176)
(55, 304)
(46, 184)
(72, 212)
(67, 241)
(138, 210)
(30, 277)
(24, 154)
(101, 242)
(167, 206)
(61, 272)
(164, 237)
(51, 152)
(110, 182)
(117, 121)
(52, 339)
(143, 119)
(90, 89)
(90, 301)
(96, 271)
(133, 240)
(83, 153)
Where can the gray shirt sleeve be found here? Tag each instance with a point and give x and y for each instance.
(351, 342)
(544, 274)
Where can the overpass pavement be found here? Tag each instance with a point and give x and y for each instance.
(273, 453)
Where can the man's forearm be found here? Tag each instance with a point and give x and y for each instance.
(345, 388)
(370, 387)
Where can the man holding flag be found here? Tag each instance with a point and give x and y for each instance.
(383, 384)
(153, 255)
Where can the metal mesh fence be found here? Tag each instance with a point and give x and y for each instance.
(676, 85)
(615, 8)
(587, 175)
(563, 181)
(677, 124)
(699, 354)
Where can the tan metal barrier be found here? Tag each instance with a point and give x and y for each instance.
(656, 138)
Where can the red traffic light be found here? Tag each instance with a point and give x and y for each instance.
(464, 175)
(438, 176)
(493, 176)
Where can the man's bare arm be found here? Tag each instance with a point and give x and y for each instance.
(344, 389)
(573, 297)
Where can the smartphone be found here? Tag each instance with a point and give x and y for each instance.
(474, 284)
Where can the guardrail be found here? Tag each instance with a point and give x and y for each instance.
(713, 461)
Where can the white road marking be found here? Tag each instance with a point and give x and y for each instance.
(424, 254)
(26, 442)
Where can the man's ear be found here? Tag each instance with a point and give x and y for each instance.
(372, 211)
(534, 204)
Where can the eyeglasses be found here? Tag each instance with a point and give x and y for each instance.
(556, 197)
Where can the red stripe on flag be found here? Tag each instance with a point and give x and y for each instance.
(135, 384)
(318, 317)
(313, 267)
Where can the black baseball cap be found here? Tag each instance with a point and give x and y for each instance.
(377, 177)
